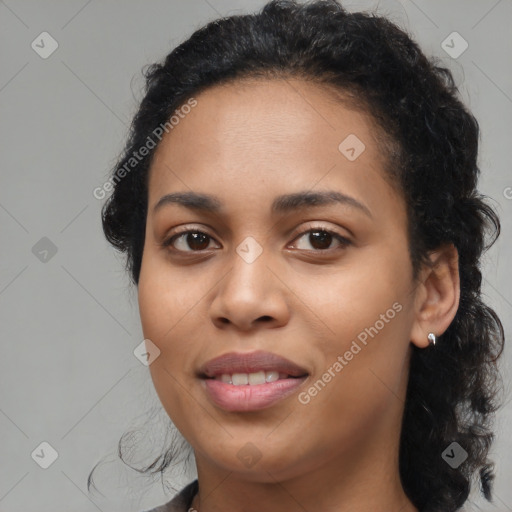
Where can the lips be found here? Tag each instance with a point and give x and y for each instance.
(251, 381)
(250, 362)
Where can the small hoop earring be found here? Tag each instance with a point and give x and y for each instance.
(431, 338)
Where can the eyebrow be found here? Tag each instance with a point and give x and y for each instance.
(281, 204)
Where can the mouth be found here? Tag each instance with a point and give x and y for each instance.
(250, 381)
(258, 366)
(253, 379)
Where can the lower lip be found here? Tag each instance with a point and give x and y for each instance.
(250, 398)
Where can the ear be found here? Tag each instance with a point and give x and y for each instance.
(437, 295)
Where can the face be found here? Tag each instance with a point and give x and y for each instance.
(326, 285)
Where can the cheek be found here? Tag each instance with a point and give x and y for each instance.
(365, 295)
(362, 391)
(167, 321)
(157, 314)
(169, 308)
(160, 323)
(363, 364)
(164, 297)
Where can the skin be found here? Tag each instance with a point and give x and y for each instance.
(247, 143)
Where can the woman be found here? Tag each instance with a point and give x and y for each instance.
(297, 202)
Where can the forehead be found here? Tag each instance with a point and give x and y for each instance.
(267, 115)
(268, 135)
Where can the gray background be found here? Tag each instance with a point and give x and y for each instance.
(69, 325)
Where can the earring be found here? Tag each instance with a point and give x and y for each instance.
(431, 338)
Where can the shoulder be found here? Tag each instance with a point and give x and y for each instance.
(181, 502)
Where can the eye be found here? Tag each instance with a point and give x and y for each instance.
(321, 238)
(195, 239)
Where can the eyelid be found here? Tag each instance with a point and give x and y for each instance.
(182, 230)
(343, 240)
(315, 225)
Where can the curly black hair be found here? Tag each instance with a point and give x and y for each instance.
(431, 146)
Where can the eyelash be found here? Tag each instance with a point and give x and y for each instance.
(344, 242)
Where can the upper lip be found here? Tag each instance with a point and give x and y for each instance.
(250, 362)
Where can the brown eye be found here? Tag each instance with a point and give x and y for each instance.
(186, 240)
(320, 239)
(197, 241)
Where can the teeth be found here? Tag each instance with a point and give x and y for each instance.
(253, 379)
(256, 378)
(271, 376)
(239, 379)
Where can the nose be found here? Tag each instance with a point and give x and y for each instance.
(250, 294)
